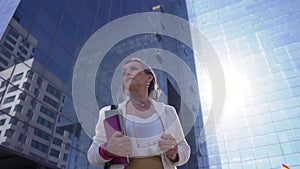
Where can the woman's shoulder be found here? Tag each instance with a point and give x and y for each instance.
(162, 107)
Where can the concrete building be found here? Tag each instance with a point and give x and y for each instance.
(29, 105)
(18, 42)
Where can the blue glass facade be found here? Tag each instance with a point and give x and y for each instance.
(258, 43)
(56, 31)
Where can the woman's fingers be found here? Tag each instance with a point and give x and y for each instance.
(167, 136)
(119, 145)
(167, 142)
(169, 145)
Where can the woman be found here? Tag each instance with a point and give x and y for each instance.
(153, 138)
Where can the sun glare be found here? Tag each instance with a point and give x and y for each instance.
(237, 87)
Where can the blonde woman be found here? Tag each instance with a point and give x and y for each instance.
(153, 137)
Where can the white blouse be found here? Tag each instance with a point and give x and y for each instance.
(145, 134)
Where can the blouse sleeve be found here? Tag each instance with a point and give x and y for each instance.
(174, 128)
(93, 154)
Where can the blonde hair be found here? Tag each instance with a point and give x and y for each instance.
(153, 90)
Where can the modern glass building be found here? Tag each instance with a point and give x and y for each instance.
(257, 43)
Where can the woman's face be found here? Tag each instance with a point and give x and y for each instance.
(134, 76)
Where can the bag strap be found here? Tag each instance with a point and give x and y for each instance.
(112, 107)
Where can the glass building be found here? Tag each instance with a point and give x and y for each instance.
(257, 43)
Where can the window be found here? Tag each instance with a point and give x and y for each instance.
(6, 110)
(29, 74)
(36, 92)
(39, 81)
(8, 46)
(53, 91)
(44, 122)
(23, 50)
(6, 53)
(59, 131)
(9, 133)
(26, 85)
(57, 141)
(25, 43)
(21, 57)
(3, 84)
(48, 112)
(13, 88)
(41, 134)
(54, 153)
(2, 121)
(25, 126)
(22, 138)
(22, 96)
(14, 121)
(17, 77)
(18, 108)
(68, 147)
(9, 99)
(63, 99)
(50, 101)
(13, 33)
(33, 102)
(11, 40)
(65, 158)
(39, 146)
(3, 61)
(29, 114)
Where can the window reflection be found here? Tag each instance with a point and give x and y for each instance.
(46, 22)
(44, 40)
(54, 8)
(60, 56)
(30, 7)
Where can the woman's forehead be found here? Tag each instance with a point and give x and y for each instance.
(132, 63)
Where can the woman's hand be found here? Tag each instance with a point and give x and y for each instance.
(169, 145)
(118, 146)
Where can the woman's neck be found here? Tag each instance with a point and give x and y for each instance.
(140, 100)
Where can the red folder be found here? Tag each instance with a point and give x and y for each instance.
(112, 123)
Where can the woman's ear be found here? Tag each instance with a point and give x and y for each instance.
(150, 77)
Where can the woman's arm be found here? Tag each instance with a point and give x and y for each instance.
(99, 139)
(175, 129)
